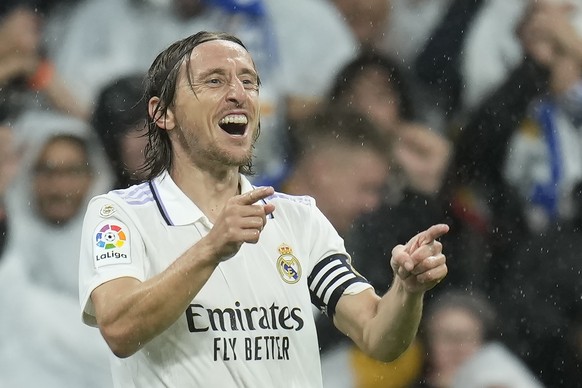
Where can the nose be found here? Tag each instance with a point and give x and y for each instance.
(236, 92)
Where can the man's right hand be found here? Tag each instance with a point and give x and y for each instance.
(242, 220)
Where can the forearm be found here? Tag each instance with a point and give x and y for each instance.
(395, 324)
(575, 48)
(138, 312)
(131, 313)
(438, 60)
(384, 327)
(14, 66)
(481, 145)
(567, 38)
(63, 99)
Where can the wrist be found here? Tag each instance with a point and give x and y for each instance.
(205, 255)
(401, 288)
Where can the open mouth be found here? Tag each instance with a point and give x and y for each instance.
(234, 124)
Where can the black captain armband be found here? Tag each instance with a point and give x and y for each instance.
(328, 281)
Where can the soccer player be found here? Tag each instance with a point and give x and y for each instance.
(196, 278)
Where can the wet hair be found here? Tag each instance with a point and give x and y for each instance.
(75, 140)
(7, 6)
(119, 110)
(475, 303)
(346, 77)
(342, 127)
(161, 81)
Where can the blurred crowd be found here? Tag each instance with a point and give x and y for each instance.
(392, 114)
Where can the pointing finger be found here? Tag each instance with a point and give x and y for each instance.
(256, 195)
(426, 237)
(433, 233)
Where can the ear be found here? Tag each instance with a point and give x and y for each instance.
(163, 120)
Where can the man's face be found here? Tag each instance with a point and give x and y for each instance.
(62, 180)
(348, 186)
(373, 96)
(217, 117)
(454, 335)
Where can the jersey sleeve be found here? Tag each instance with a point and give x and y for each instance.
(332, 274)
(111, 247)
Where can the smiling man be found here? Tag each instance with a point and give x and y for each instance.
(196, 278)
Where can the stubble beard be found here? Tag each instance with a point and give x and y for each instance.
(213, 154)
(221, 156)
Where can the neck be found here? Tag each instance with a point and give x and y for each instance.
(209, 190)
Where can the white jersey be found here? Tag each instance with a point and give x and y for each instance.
(252, 323)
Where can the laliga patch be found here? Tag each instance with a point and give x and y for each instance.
(107, 210)
(111, 244)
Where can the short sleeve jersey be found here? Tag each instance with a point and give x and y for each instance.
(251, 325)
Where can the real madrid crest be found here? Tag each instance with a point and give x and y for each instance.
(288, 265)
(107, 210)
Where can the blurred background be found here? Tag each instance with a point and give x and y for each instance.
(392, 114)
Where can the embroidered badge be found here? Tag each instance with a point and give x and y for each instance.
(107, 210)
(288, 265)
(111, 244)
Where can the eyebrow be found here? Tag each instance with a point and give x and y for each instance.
(221, 71)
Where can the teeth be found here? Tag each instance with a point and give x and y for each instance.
(234, 119)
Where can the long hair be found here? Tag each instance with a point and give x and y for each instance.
(345, 78)
(119, 110)
(161, 82)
